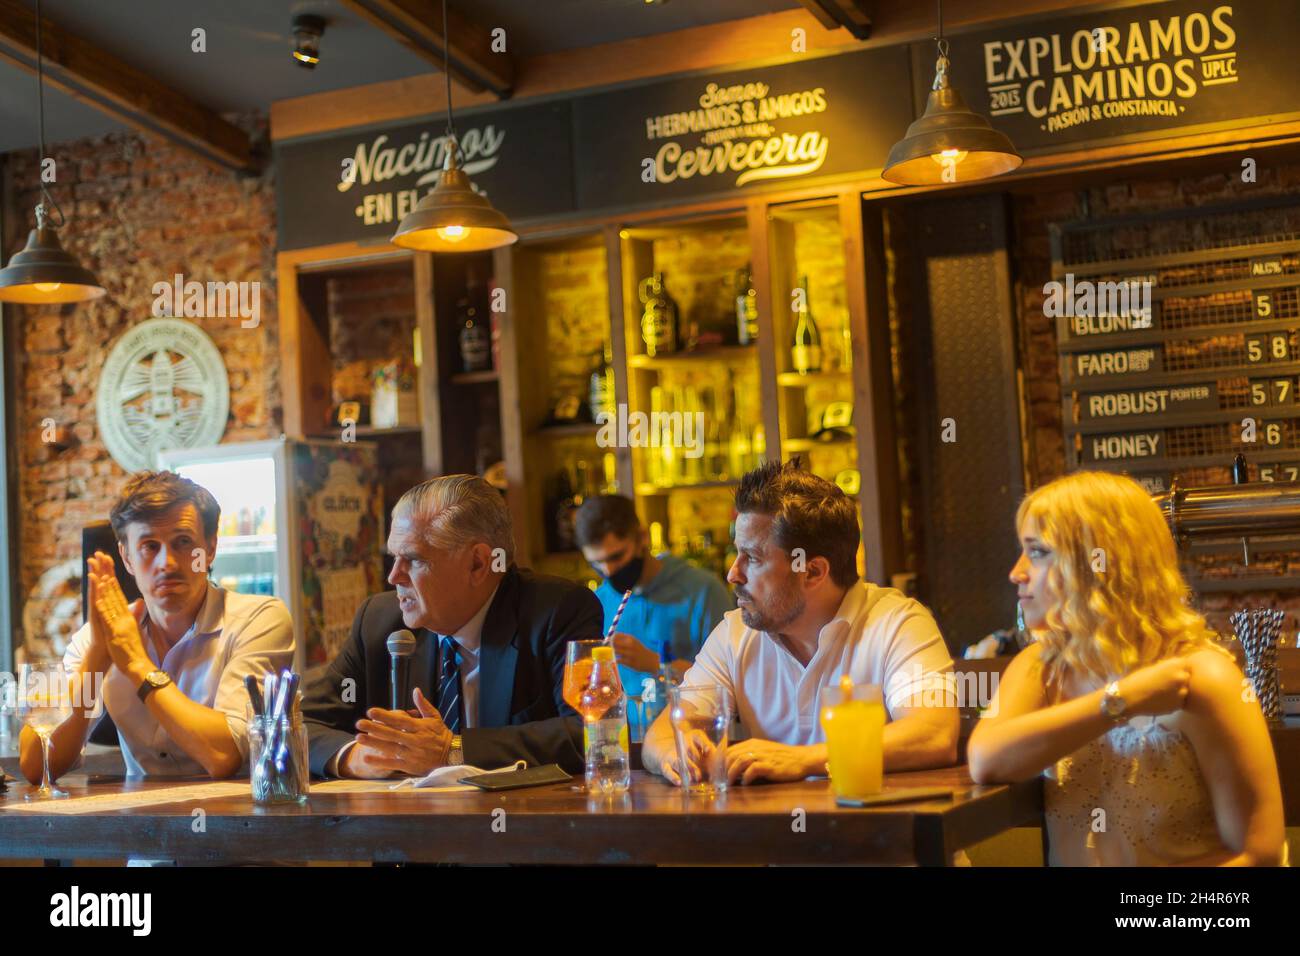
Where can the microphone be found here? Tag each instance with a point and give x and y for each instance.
(401, 645)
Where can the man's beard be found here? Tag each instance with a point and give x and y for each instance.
(783, 611)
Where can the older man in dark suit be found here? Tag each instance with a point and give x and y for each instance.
(486, 678)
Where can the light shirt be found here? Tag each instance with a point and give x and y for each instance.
(679, 606)
(470, 639)
(233, 635)
(877, 636)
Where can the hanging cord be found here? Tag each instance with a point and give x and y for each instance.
(41, 211)
(452, 145)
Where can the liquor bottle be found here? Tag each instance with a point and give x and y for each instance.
(604, 724)
(609, 465)
(562, 513)
(692, 464)
(746, 307)
(659, 324)
(806, 352)
(715, 466)
(601, 392)
(846, 343)
(475, 335)
(653, 459)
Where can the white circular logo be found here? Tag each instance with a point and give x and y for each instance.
(164, 386)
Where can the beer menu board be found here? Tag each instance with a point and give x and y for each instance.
(1181, 357)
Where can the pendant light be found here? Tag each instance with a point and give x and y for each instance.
(453, 217)
(949, 143)
(43, 273)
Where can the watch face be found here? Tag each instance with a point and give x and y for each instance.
(158, 678)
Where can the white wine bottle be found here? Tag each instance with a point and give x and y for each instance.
(806, 352)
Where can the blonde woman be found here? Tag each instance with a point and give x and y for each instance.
(1153, 749)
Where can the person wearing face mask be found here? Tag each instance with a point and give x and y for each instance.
(673, 603)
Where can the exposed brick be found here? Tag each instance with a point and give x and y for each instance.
(126, 193)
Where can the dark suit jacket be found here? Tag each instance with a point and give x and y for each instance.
(521, 708)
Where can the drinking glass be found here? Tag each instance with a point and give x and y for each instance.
(853, 719)
(577, 671)
(44, 702)
(701, 719)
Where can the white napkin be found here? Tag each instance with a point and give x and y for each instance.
(449, 777)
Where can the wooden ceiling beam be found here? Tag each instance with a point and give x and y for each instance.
(118, 89)
(852, 15)
(417, 25)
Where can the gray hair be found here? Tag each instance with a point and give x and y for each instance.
(458, 511)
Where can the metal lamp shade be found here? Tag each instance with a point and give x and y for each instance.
(948, 124)
(454, 218)
(45, 274)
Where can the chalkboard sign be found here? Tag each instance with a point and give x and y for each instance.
(1187, 354)
(1134, 72)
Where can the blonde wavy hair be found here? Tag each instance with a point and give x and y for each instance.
(1135, 612)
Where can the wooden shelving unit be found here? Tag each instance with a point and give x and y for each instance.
(568, 290)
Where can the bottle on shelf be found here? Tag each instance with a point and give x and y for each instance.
(715, 462)
(609, 464)
(659, 319)
(806, 351)
(601, 391)
(561, 513)
(846, 342)
(604, 724)
(746, 307)
(692, 465)
(475, 333)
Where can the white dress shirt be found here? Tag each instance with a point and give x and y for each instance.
(233, 635)
(878, 636)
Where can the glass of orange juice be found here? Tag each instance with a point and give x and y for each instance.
(853, 719)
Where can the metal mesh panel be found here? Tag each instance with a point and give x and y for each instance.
(970, 486)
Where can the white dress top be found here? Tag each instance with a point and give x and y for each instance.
(1134, 796)
(878, 636)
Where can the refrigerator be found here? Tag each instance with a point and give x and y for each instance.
(300, 520)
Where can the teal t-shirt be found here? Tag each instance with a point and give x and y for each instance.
(681, 605)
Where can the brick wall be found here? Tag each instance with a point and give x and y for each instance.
(1032, 261)
(141, 211)
(371, 322)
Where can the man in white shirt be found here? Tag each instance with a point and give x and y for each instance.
(803, 622)
(169, 668)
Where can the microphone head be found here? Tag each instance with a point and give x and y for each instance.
(401, 643)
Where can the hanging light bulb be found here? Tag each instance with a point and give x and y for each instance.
(453, 217)
(44, 273)
(949, 143)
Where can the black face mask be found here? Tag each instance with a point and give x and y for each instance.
(626, 577)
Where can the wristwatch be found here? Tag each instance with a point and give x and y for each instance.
(154, 680)
(1112, 704)
(456, 752)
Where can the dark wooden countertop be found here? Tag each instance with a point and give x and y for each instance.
(653, 823)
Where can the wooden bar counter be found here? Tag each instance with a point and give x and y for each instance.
(654, 823)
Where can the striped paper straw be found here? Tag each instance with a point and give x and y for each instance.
(609, 635)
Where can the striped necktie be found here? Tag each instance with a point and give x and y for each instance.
(449, 684)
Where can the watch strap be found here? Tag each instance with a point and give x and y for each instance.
(154, 680)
